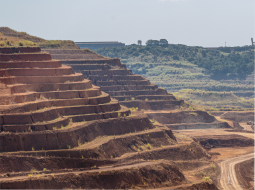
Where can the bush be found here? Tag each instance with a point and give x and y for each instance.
(176, 57)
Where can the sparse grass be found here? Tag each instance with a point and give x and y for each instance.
(68, 146)
(9, 41)
(207, 179)
(33, 171)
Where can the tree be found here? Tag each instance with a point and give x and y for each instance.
(163, 42)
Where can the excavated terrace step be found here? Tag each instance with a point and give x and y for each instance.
(116, 77)
(25, 57)
(133, 92)
(128, 87)
(36, 71)
(155, 97)
(68, 51)
(110, 61)
(109, 72)
(73, 136)
(30, 64)
(181, 126)
(81, 67)
(9, 50)
(53, 113)
(65, 94)
(130, 142)
(144, 97)
(154, 104)
(42, 87)
(61, 122)
(45, 103)
(75, 56)
(42, 79)
(122, 82)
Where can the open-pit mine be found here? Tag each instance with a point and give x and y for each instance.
(73, 119)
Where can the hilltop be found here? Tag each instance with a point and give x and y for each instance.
(15, 35)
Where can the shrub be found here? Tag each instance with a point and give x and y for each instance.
(44, 169)
(33, 170)
(21, 44)
(2, 43)
(207, 179)
(148, 146)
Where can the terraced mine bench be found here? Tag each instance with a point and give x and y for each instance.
(114, 78)
(39, 94)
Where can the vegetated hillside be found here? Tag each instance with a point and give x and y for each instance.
(178, 67)
(60, 44)
(7, 41)
(212, 99)
(218, 63)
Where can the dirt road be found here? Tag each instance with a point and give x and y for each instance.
(228, 179)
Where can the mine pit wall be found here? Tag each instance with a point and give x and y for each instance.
(224, 141)
(245, 173)
(182, 117)
(197, 125)
(20, 50)
(140, 177)
(60, 139)
(113, 148)
(112, 62)
(155, 105)
(27, 163)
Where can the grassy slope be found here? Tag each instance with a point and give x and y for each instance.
(161, 67)
(59, 44)
(7, 41)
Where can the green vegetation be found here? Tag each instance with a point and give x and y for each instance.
(216, 63)
(179, 67)
(210, 100)
(9, 37)
(6, 41)
(58, 44)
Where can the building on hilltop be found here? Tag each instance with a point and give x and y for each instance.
(98, 45)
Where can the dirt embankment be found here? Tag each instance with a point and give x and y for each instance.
(200, 186)
(182, 117)
(238, 116)
(26, 163)
(72, 137)
(151, 175)
(245, 173)
(190, 151)
(218, 141)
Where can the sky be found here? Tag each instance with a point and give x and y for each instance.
(207, 23)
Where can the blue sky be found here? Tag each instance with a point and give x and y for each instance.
(207, 23)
